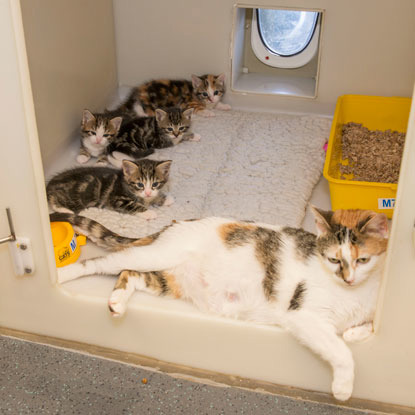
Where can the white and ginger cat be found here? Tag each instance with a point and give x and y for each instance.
(321, 288)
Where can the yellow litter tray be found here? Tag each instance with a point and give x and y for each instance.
(375, 113)
(66, 243)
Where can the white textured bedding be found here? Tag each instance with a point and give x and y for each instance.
(251, 166)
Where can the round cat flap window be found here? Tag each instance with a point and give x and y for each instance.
(285, 38)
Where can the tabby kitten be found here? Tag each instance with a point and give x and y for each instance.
(144, 134)
(201, 93)
(130, 190)
(322, 289)
(98, 131)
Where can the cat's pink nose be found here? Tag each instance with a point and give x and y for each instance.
(147, 192)
(99, 139)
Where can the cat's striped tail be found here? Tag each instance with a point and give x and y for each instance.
(99, 234)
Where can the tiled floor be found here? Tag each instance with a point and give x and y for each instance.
(38, 379)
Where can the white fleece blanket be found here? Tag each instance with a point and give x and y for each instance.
(250, 166)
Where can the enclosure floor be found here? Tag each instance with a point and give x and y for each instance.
(39, 379)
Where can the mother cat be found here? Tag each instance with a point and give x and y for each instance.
(317, 287)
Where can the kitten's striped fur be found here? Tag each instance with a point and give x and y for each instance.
(100, 130)
(263, 273)
(130, 190)
(202, 93)
(144, 134)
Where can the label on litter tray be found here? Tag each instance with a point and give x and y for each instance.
(386, 203)
(73, 243)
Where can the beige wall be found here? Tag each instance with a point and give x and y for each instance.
(70, 47)
(367, 46)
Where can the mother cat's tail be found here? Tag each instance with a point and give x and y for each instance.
(99, 234)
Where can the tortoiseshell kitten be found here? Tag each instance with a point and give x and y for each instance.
(202, 93)
(144, 134)
(321, 288)
(98, 131)
(130, 190)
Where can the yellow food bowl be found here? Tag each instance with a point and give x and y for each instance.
(375, 113)
(65, 243)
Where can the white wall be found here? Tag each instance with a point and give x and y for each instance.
(367, 46)
(71, 52)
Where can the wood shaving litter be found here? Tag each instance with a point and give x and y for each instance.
(374, 155)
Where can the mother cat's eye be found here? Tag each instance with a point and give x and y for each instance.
(362, 260)
(334, 260)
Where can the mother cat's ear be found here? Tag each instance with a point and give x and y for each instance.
(376, 224)
(323, 219)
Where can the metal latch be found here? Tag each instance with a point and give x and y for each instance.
(20, 250)
(12, 236)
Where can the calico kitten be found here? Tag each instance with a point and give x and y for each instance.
(144, 134)
(322, 289)
(130, 190)
(98, 131)
(202, 93)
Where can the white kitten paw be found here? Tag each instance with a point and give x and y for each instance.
(196, 137)
(148, 214)
(82, 158)
(117, 302)
(223, 107)
(102, 163)
(358, 333)
(169, 201)
(206, 113)
(139, 111)
(69, 272)
(121, 156)
(342, 388)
